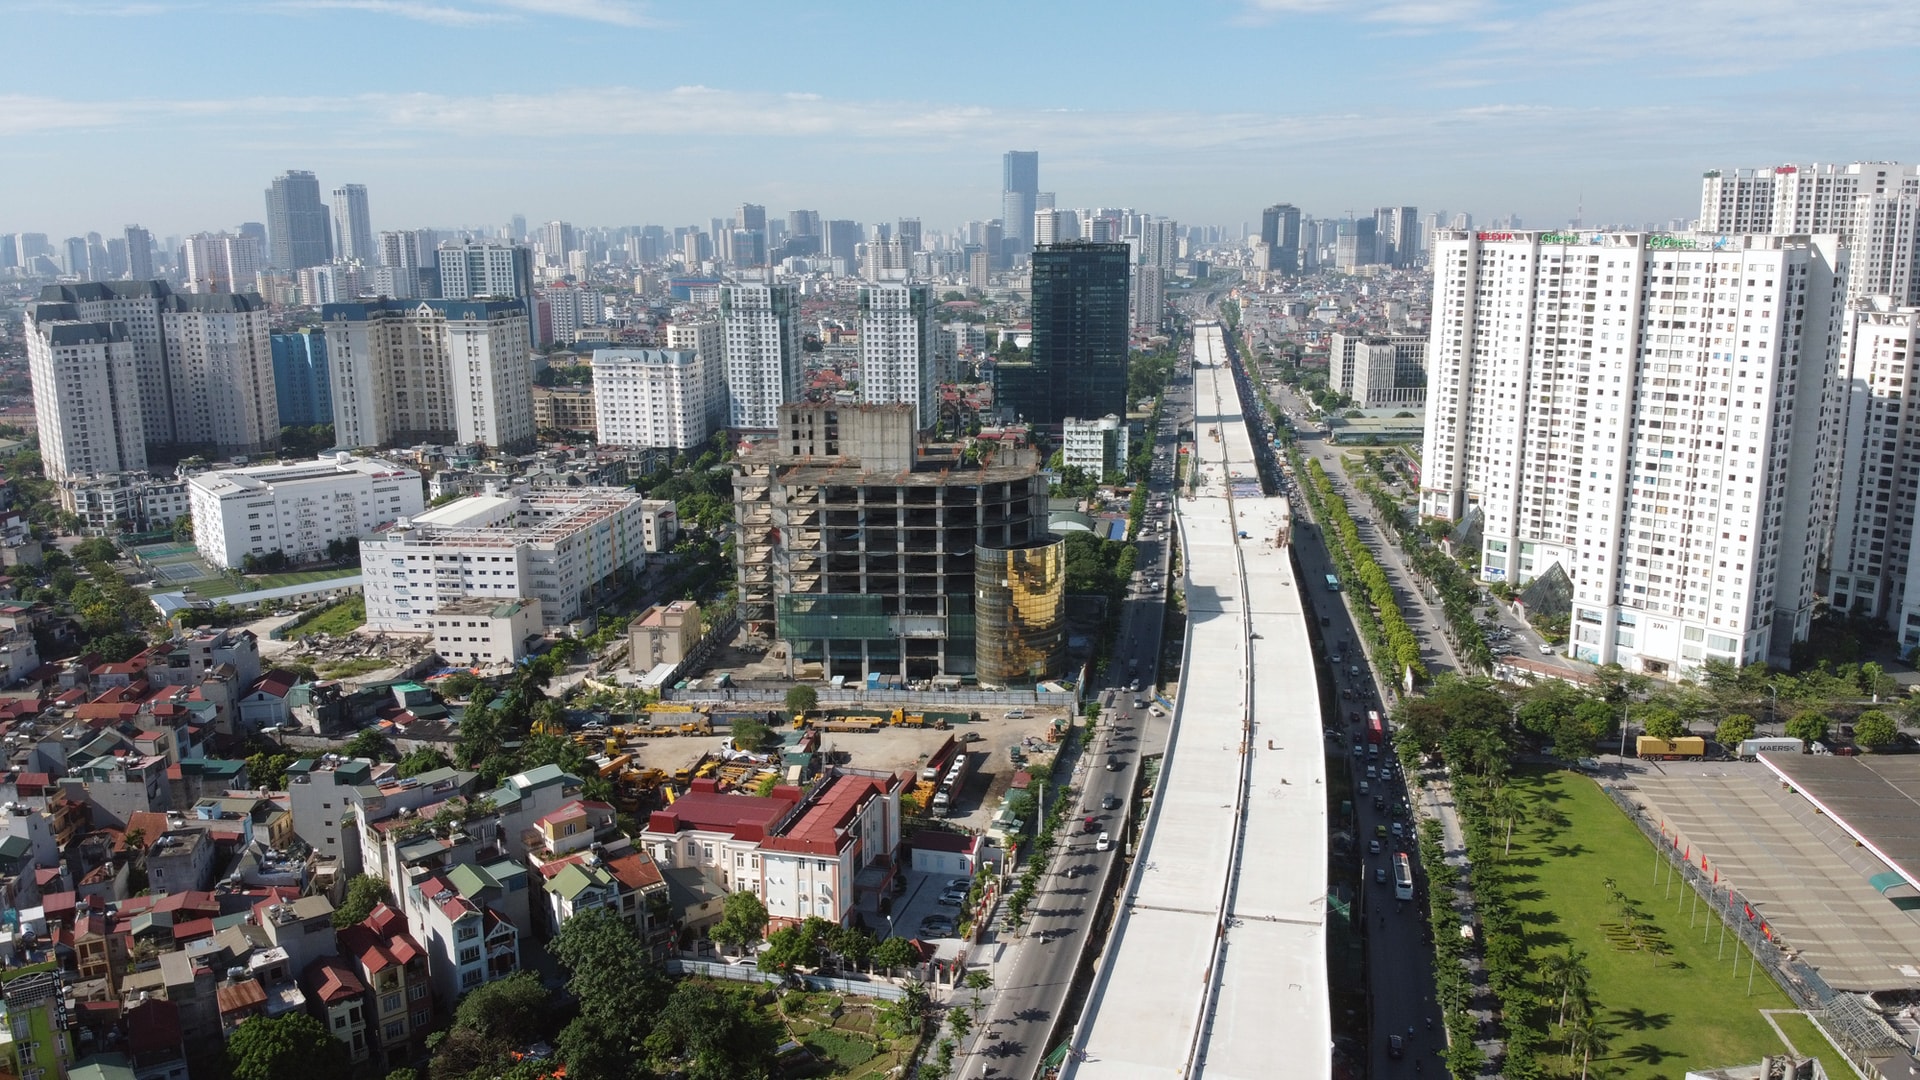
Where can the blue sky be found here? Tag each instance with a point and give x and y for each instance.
(176, 113)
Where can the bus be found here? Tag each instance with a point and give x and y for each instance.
(1333, 583)
(1402, 876)
(1376, 728)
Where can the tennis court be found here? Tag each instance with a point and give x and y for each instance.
(172, 563)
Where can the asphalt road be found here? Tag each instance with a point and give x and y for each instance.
(1033, 967)
(1399, 953)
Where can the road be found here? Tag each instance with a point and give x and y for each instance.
(1034, 966)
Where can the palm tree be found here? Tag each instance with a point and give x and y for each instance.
(1585, 1037)
(1507, 806)
(1567, 972)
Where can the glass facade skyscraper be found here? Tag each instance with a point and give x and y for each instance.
(1079, 365)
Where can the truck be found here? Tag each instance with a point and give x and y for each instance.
(1775, 744)
(1686, 747)
(936, 767)
(954, 782)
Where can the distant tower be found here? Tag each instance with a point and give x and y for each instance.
(352, 226)
(1019, 194)
(297, 227)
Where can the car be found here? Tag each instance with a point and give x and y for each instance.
(1380, 831)
(1113, 762)
(1135, 687)
(1105, 843)
(937, 926)
(1398, 830)
(1139, 703)
(959, 883)
(1379, 875)
(1336, 658)
(1546, 649)
(951, 899)
(1396, 1047)
(1109, 801)
(1373, 847)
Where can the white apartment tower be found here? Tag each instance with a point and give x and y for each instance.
(709, 340)
(762, 335)
(407, 371)
(484, 268)
(899, 349)
(220, 360)
(651, 397)
(85, 394)
(1871, 205)
(222, 262)
(352, 224)
(1649, 413)
(1872, 562)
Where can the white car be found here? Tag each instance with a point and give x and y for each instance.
(1105, 843)
(1546, 649)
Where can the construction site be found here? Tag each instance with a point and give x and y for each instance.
(964, 761)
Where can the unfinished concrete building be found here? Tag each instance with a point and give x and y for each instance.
(858, 544)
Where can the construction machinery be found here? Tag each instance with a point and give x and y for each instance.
(903, 718)
(669, 706)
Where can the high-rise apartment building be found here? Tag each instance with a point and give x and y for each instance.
(1659, 449)
(761, 327)
(203, 364)
(302, 383)
(297, 222)
(564, 310)
(1872, 571)
(1874, 206)
(407, 371)
(1396, 232)
(1019, 194)
(899, 350)
(843, 242)
(222, 262)
(86, 394)
(139, 254)
(651, 397)
(1079, 364)
(352, 224)
(556, 241)
(707, 340)
(476, 269)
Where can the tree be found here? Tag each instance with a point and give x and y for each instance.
(424, 760)
(1734, 729)
(1874, 730)
(713, 1033)
(619, 991)
(459, 685)
(802, 699)
(372, 744)
(514, 1010)
(906, 1015)
(364, 892)
(290, 1047)
(1585, 1037)
(894, 952)
(743, 919)
(959, 1021)
(1809, 727)
(794, 946)
(1662, 722)
(749, 733)
(268, 771)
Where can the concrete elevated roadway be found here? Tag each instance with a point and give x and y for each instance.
(1217, 961)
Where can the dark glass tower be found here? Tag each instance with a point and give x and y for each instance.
(1079, 365)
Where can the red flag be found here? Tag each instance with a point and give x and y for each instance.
(1716, 877)
(1689, 853)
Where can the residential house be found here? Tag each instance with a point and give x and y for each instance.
(840, 846)
(338, 999)
(393, 968)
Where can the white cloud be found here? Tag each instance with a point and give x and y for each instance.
(438, 14)
(613, 12)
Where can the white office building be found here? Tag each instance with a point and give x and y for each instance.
(409, 371)
(86, 394)
(761, 327)
(650, 397)
(1378, 370)
(1644, 411)
(298, 508)
(899, 349)
(561, 546)
(1096, 447)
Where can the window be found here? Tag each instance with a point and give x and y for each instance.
(390, 1003)
(469, 955)
(416, 991)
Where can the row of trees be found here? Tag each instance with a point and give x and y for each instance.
(1379, 615)
(1449, 579)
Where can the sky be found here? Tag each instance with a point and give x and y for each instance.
(176, 114)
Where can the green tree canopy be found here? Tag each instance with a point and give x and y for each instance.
(290, 1047)
(1661, 722)
(619, 991)
(743, 919)
(802, 698)
(371, 744)
(1808, 727)
(1874, 730)
(1734, 729)
(713, 1033)
(424, 760)
(364, 892)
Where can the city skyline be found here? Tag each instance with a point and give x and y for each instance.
(1330, 107)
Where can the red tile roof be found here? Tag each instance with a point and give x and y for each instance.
(333, 981)
(746, 817)
(275, 683)
(380, 940)
(822, 829)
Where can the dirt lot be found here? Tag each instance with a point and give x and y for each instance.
(900, 748)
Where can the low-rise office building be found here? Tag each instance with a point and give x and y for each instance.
(562, 546)
(297, 509)
(483, 631)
